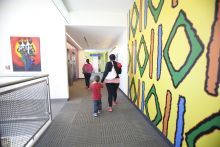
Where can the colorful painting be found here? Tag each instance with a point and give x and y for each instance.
(26, 53)
(174, 68)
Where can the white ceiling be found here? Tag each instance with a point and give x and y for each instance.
(96, 37)
(118, 6)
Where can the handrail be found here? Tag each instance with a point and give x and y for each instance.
(23, 80)
(19, 95)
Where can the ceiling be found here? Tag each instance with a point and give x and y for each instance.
(96, 37)
(119, 6)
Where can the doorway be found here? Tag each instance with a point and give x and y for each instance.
(95, 63)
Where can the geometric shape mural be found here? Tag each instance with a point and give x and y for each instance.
(135, 60)
(186, 76)
(213, 56)
(180, 122)
(155, 11)
(174, 3)
(132, 86)
(134, 28)
(159, 56)
(142, 102)
(151, 54)
(167, 110)
(196, 49)
(140, 16)
(145, 13)
(205, 127)
(158, 116)
(129, 58)
(146, 56)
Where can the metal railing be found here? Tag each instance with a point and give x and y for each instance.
(25, 110)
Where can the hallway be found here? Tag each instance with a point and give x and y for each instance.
(75, 126)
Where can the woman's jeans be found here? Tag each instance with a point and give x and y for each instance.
(112, 92)
(87, 78)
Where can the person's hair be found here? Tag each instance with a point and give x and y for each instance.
(112, 57)
(87, 60)
(97, 78)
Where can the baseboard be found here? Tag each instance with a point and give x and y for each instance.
(59, 99)
(148, 120)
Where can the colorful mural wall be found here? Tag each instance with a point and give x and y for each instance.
(174, 70)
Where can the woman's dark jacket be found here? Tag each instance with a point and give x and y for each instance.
(108, 68)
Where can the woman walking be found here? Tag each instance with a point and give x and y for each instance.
(112, 80)
(87, 71)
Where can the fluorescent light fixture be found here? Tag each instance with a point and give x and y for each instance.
(73, 40)
(113, 48)
(86, 41)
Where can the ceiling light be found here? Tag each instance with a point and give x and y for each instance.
(86, 41)
(73, 41)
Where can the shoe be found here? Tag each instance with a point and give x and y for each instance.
(95, 114)
(109, 109)
(114, 103)
(99, 111)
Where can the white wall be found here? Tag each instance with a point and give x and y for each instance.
(81, 62)
(98, 19)
(122, 51)
(31, 18)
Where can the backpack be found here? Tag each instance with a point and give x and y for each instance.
(112, 74)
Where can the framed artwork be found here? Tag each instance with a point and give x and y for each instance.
(25, 53)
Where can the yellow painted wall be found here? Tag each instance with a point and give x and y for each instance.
(188, 69)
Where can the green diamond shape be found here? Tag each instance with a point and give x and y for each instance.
(135, 92)
(155, 11)
(158, 116)
(134, 29)
(129, 57)
(196, 49)
(142, 68)
(209, 124)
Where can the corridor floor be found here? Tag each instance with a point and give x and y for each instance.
(74, 125)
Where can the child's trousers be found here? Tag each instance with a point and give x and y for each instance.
(97, 105)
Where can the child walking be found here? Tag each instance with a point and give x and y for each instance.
(96, 95)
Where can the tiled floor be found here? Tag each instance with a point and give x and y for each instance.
(74, 125)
